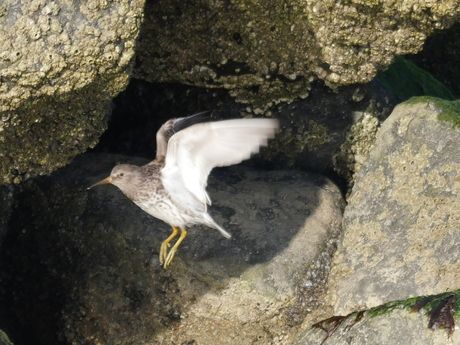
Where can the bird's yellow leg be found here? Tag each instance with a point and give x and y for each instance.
(165, 245)
(174, 249)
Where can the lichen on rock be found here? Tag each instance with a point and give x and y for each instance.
(400, 223)
(252, 47)
(61, 64)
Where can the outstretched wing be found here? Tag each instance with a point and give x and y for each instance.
(194, 151)
(171, 127)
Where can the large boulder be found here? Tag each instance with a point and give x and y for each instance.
(398, 253)
(61, 63)
(271, 50)
(400, 227)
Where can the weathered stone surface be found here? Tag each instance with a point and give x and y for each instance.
(91, 259)
(61, 63)
(400, 226)
(270, 51)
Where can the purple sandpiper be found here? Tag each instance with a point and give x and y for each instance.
(173, 186)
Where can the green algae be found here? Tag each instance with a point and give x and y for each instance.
(415, 304)
(406, 80)
(441, 309)
(450, 110)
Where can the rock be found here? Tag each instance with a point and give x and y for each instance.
(400, 226)
(271, 51)
(91, 259)
(61, 64)
(423, 320)
(401, 81)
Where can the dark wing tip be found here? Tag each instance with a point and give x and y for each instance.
(184, 122)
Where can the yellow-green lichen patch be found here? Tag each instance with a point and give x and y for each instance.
(270, 93)
(39, 137)
(367, 244)
(60, 65)
(308, 135)
(58, 47)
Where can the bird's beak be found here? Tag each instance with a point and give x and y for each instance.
(104, 181)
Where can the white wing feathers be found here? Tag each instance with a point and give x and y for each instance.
(194, 151)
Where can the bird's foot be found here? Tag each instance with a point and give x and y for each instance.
(164, 252)
(170, 257)
(165, 257)
(165, 245)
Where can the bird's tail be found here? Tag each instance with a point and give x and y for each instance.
(211, 223)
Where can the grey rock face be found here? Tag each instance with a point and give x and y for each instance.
(400, 227)
(91, 257)
(61, 63)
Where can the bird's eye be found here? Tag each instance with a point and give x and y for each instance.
(121, 174)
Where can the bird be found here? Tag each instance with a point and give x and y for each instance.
(172, 187)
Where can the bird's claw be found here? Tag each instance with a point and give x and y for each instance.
(166, 257)
(164, 252)
(165, 245)
(170, 257)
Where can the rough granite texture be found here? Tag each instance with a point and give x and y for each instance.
(401, 224)
(271, 50)
(61, 63)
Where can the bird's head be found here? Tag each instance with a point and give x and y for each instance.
(122, 176)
